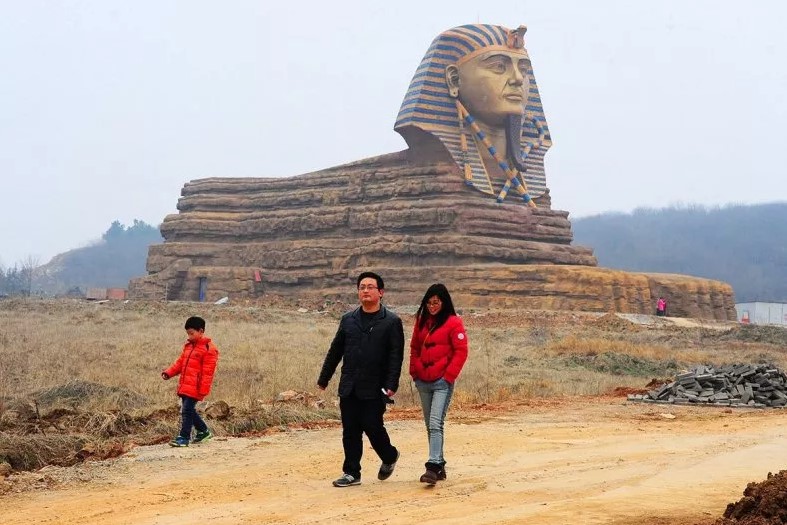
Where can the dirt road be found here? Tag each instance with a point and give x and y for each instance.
(579, 461)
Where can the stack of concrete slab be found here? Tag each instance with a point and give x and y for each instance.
(739, 385)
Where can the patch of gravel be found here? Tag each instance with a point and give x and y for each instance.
(52, 476)
(642, 319)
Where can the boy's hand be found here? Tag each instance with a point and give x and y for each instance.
(164, 375)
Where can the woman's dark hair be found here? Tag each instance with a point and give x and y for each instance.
(447, 310)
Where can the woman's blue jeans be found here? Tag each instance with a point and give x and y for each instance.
(435, 398)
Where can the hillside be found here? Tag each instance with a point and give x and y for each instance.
(109, 263)
(745, 246)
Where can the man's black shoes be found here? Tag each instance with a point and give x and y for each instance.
(386, 469)
(346, 480)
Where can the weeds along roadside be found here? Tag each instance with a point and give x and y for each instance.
(265, 352)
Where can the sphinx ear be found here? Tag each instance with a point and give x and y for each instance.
(452, 79)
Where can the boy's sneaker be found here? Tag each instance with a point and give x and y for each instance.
(386, 469)
(179, 441)
(346, 480)
(202, 436)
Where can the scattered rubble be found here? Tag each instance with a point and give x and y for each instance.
(306, 399)
(218, 410)
(737, 385)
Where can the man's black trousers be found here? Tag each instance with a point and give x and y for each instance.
(361, 416)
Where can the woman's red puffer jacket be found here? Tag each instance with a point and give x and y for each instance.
(440, 353)
(196, 366)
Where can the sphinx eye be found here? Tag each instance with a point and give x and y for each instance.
(498, 66)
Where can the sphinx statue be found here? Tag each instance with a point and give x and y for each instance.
(465, 204)
(474, 93)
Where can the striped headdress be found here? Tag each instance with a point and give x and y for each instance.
(428, 106)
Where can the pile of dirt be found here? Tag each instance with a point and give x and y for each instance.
(624, 391)
(33, 452)
(22, 453)
(79, 393)
(763, 503)
(76, 421)
(612, 322)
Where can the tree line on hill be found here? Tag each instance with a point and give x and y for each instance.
(110, 262)
(745, 246)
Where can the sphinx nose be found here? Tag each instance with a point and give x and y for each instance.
(516, 78)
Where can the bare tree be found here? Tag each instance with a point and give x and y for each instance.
(30, 266)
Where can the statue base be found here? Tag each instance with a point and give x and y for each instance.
(531, 287)
(415, 224)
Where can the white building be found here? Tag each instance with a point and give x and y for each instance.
(762, 313)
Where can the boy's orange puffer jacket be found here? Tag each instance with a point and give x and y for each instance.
(196, 366)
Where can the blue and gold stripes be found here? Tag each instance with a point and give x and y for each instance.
(428, 106)
(512, 175)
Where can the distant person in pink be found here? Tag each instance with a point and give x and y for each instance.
(661, 307)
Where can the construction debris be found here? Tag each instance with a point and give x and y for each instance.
(738, 385)
(302, 398)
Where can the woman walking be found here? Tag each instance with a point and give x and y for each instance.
(438, 350)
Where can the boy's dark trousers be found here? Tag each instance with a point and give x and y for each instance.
(189, 417)
(363, 416)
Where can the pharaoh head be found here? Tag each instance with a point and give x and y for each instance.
(474, 86)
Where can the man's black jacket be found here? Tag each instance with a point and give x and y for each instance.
(372, 357)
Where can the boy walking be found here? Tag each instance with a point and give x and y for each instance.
(196, 365)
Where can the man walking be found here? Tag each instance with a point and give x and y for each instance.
(370, 340)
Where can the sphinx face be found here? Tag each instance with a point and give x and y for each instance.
(483, 70)
(493, 85)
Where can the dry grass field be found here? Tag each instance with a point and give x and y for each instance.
(82, 380)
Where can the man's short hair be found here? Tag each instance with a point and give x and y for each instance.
(196, 323)
(366, 275)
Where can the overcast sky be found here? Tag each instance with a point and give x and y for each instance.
(108, 107)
